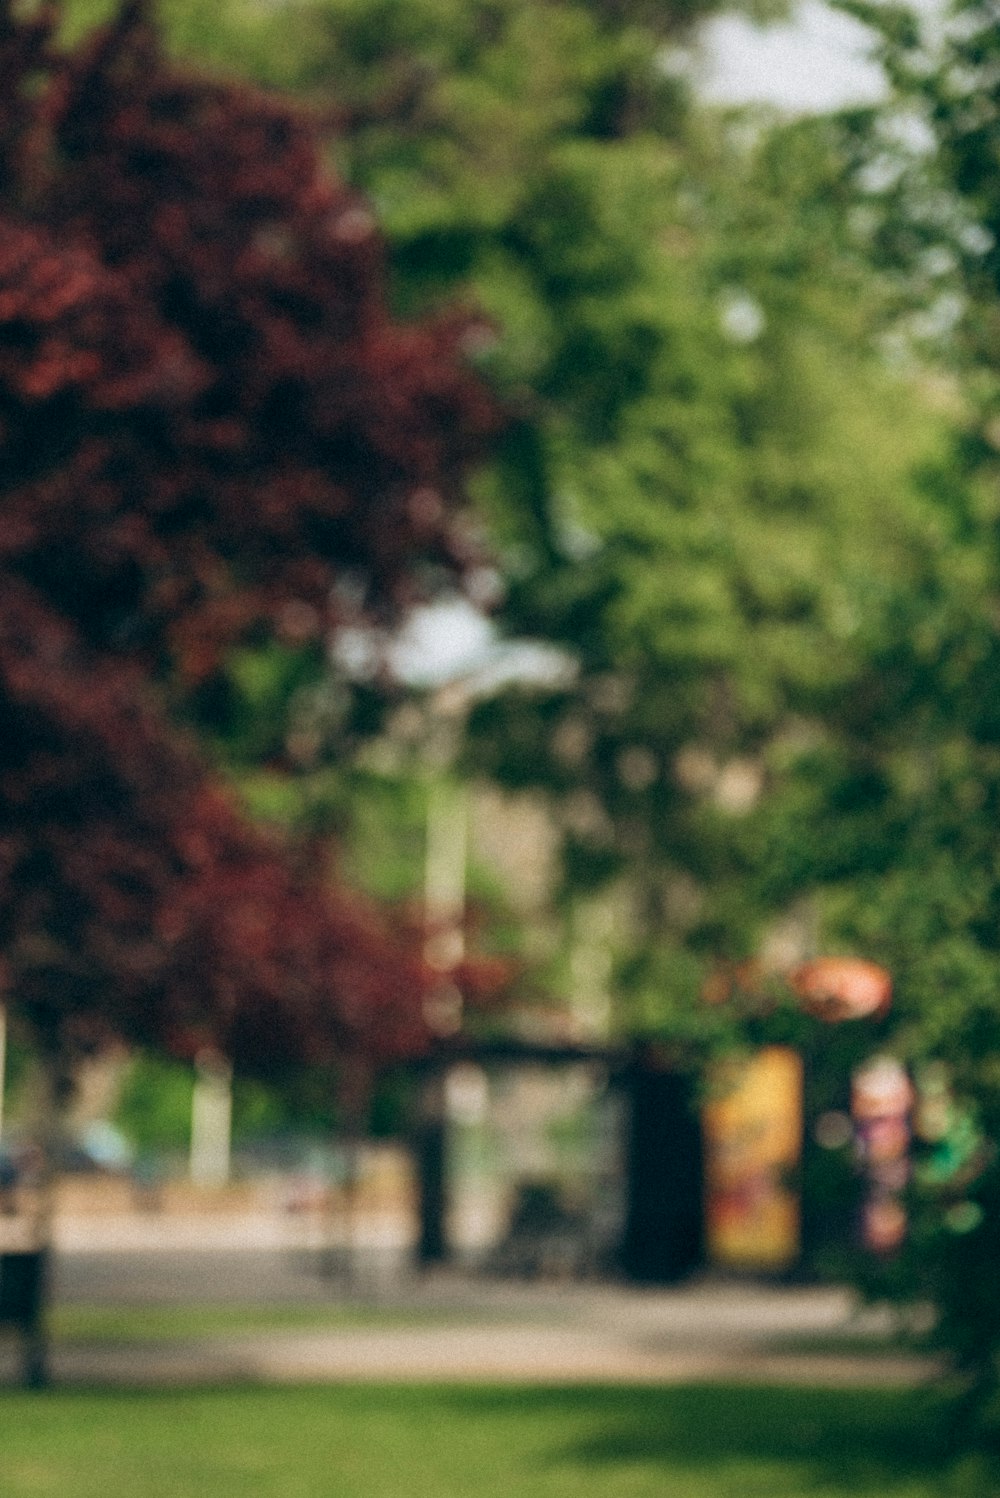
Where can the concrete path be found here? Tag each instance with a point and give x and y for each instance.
(552, 1356)
(453, 1327)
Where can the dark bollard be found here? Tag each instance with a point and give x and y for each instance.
(431, 1153)
(22, 1297)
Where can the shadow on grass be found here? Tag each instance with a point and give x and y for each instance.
(857, 1441)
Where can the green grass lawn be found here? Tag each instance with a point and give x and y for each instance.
(102, 1324)
(369, 1441)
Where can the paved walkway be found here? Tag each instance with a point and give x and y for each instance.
(446, 1326)
(553, 1356)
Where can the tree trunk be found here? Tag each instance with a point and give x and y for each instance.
(55, 1090)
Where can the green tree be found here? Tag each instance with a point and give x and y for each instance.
(924, 719)
(705, 497)
(733, 492)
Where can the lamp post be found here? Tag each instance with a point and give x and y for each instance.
(445, 860)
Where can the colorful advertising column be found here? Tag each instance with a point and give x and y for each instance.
(752, 1126)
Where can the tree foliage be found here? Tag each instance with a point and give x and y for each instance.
(926, 723)
(716, 497)
(214, 430)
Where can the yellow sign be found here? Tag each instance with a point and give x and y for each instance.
(753, 1143)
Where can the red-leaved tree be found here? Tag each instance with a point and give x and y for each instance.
(208, 416)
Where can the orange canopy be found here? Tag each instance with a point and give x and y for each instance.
(836, 988)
